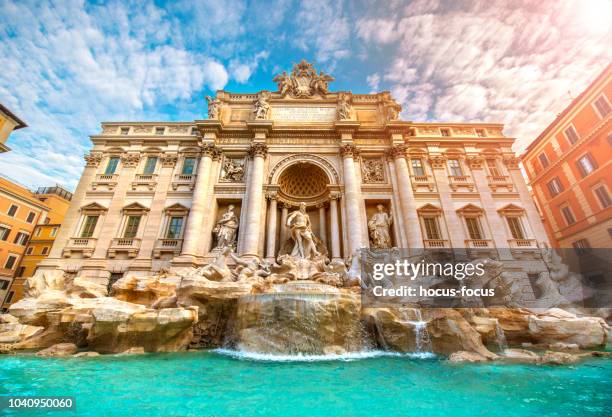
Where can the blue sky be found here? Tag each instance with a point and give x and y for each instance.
(68, 65)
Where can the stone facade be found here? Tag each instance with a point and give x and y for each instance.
(151, 193)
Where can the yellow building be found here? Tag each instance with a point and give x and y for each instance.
(8, 123)
(27, 232)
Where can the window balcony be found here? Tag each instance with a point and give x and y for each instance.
(460, 181)
(147, 181)
(164, 245)
(83, 245)
(129, 245)
(184, 180)
(435, 243)
(422, 181)
(108, 181)
(478, 243)
(497, 181)
(522, 243)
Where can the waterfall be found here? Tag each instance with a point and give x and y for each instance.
(422, 340)
(500, 337)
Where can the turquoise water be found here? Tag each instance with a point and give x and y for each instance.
(206, 384)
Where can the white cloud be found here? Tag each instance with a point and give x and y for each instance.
(373, 81)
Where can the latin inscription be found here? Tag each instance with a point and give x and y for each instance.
(304, 114)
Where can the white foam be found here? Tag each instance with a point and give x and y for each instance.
(351, 356)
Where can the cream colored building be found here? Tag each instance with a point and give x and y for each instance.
(8, 123)
(151, 193)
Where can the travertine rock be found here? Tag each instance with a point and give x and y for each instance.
(391, 329)
(558, 358)
(145, 290)
(519, 356)
(556, 325)
(59, 350)
(86, 355)
(463, 356)
(16, 332)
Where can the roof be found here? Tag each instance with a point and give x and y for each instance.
(20, 123)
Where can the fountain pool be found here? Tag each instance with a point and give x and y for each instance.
(215, 383)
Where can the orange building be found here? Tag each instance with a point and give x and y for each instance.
(20, 212)
(570, 170)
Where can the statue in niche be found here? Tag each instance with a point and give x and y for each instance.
(233, 171)
(379, 226)
(298, 223)
(344, 109)
(225, 230)
(262, 108)
(372, 170)
(214, 105)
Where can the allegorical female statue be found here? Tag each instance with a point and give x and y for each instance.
(225, 230)
(298, 223)
(379, 226)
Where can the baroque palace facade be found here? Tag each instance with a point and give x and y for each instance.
(155, 195)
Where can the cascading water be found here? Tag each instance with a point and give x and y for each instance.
(500, 337)
(422, 340)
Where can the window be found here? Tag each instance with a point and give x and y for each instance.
(20, 271)
(445, 132)
(432, 229)
(30, 250)
(417, 167)
(543, 160)
(54, 232)
(111, 167)
(160, 130)
(481, 132)
(175, 226)
(125, 130)
(131, 226)
(37, 231)
(571, 135)
(11, 260)
(89, 226)
(21, 239)
(12, 210)
(473, 226)
(4, 284)
(581, 246)
(568, 215)
(454, 168)
(188, 165)
(586, 164)
(4, 232)
(554, 187)
(9, 297)
(150, 165)
(45, 250)
(492, 167)
(516, 227)
(31, 216)
(194, 131)
(603, 106)
(602, 195)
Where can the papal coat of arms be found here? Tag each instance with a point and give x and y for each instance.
(303, 81)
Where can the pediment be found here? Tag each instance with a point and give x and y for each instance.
(470, 209)
(511, 209)
(93, 207)
(135, 207)
(429, 209)
(177, 208)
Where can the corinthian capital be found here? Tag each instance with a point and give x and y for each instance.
(398, 151)
(210, 150)
(130, 160)
(511, 161)
(349, 150)
(258, 149)
(92, 160)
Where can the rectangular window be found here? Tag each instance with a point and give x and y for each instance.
(481, 133)
(188, 165)
(112, 165)
(4, 233)
(432, 230)
(125, 130)
(543, 160)
(4, 284)
(454, 168)
(160, 130)
(20, 271)
(445, 132)
(417, 167)
(602, 195)
(30, 250)
(194, 131)
(21, 239)
(131, 226)
(150, 165)
(492, 166)
(554, 187)
(473, 226)
(586, 165)
(37, 231)
(571, 135)
(31, 216)
(9, 297)
(45, 250)
(568, 215)
(11, 260)
(54, 232)
(581, 245)
(174, 228)
(89, 226)
(516, 228)
(602, 106)
(12, 210)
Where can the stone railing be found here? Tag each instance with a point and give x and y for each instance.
(183, 180)
(84, 245)
(478, 243)
(167, 246)
(108, 181)
(435, 243)
(496, 181)
(149, 181)
(129, 245)
(522, 243)
(457, 181)
(419, 181)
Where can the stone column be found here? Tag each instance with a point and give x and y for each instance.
(335, 230)
(322, 224)
(454, 225)
(208, 221)
(258, 153)
(193, 229)
(352, 196)
(408, 205)
(271, 232)
(283, 221)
